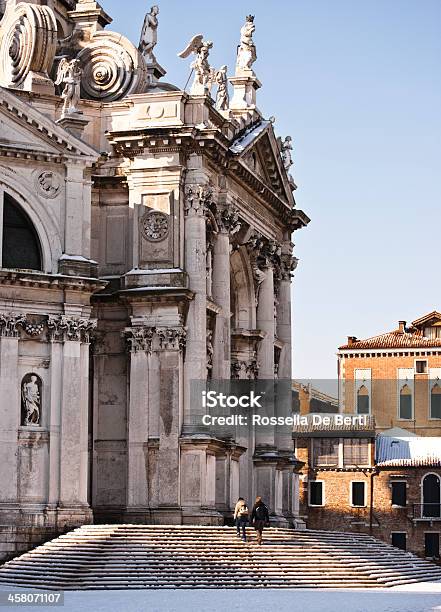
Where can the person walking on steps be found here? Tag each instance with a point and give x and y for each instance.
(241, 517)
(259, 518)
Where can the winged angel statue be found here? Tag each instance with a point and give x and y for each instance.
(204, 74)
(70, 73)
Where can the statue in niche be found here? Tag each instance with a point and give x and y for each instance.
(70, 73)
(246, 52)
(222, 97)
(149, 34)
(31, 400)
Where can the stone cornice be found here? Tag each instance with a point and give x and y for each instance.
(211, 143)
(40, 280)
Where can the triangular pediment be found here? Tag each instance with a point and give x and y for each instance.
(259, 151)
(24, 129)
(433, 318)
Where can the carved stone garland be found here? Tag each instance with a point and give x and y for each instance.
(60, 328)
(28, 44)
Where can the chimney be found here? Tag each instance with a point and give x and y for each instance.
(352, 340)
(402, 327)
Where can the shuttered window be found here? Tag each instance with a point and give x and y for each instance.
(325, 451)
(356, 451)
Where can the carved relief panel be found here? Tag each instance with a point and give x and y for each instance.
(158, 231)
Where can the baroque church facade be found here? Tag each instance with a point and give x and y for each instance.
(145, 243)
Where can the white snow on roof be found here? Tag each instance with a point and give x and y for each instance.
(408, 451)
(244, 141)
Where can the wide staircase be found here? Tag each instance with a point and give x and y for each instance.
(159, 556)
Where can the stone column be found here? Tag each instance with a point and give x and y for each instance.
(56, 349)
(170, 344)
(264, 256)
(73, 507)
(10, 410)
(284, 330)
(265, 322)
(228, 223)
(197, 199)
(283, 327)
(139, 343)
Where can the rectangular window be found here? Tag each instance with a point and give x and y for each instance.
(316, 496)
(399, 539)
(405, 392)
(363, 390)
(358, 493)
(405, 405)
(399, 493)
(325, 452)
(421, 366)
(435, 401)
(431, 545)
(356, 451)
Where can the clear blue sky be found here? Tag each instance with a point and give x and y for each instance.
(357, 85)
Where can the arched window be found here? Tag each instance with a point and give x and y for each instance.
(405, 402)
(21, 246)
(363, 400)
(435, 401)
(431, 496)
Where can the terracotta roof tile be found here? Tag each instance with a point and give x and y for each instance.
(394, 339)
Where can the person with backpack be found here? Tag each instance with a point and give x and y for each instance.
(259, 517)
(241, 517)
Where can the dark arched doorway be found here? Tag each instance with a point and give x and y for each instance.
(21, 246)
(431, 496)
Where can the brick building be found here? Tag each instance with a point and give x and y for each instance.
(387, 485)
(395, 376)
(376, 466)
(307, 399)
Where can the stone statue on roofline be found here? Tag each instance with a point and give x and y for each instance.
(222, 96)
(70, 72)
(246, 51)
(203, 73)
(149, 34)
(286, 148)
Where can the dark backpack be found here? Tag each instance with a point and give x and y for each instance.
(261, 512)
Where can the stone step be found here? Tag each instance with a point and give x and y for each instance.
(158, 556)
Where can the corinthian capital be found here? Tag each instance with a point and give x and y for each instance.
(139, 338)
(171, 338)
(198, 199)
(288, 263)
(10, 325)
(227, 218)
(75, 329)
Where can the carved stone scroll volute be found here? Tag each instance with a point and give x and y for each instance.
(28, 46)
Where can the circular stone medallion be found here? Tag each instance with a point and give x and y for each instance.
(154, 226)
(47, 184)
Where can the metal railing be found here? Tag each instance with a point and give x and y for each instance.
(427, 511)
